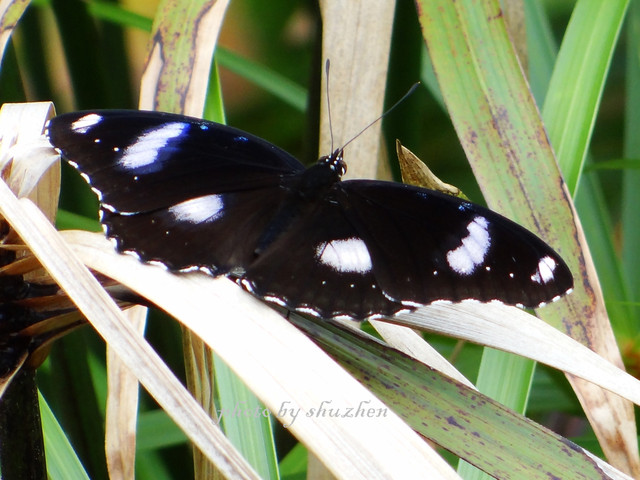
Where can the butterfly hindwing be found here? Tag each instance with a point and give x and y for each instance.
(322, 266)
(427, 246)
(217, 233)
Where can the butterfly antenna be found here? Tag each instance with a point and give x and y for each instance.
(409, 92)
(326, 68)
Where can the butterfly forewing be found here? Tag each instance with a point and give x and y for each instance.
(143, 161)
(194, 194)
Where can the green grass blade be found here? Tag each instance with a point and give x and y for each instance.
(455, 417)
(599, 231)
(62, 461)
(503, 136)
(294, 465)
(506, 378)
(481, 83)
(157, 430)
(590, 202)
(578, 78)
(272, 82)
(121, 16)
(630, 221)
(246, 422)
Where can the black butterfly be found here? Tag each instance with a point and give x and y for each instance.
(191, 194)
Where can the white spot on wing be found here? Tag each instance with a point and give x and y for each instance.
(144, 150)
(83, 124)
(276, 300)
(345, 256)
(246, 284)
(464, 259)
(197, 210)
(544, 272)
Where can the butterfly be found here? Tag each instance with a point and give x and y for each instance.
(190, 194)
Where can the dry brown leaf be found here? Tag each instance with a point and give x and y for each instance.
(171, 82)
(97, 306)
(356, 39)
(415, 172)
(122, 408)
(265, 351)
(514, 330)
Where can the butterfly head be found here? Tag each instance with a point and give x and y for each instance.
(335, 162)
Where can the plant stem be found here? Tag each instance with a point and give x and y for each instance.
(21, 443)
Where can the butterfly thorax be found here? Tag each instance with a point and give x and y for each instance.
(310, 187)
(319, 178)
